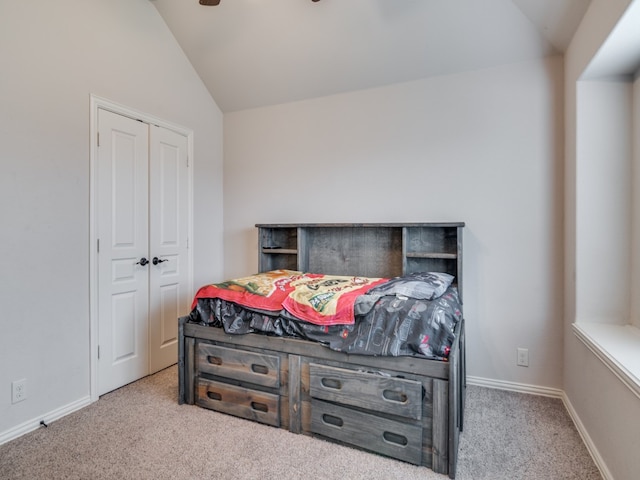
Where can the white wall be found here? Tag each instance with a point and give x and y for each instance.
(635, 200)
(603, 192)
(53, 55)
(608, 411)
(482, 147)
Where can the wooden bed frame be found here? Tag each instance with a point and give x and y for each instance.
(408, 408)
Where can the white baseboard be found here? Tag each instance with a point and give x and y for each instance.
(554, 393)
(593, 451)
(515, 387)
(34, 423)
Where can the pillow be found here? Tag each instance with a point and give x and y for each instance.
(418, 285)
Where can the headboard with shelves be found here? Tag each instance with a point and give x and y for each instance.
(364, 249)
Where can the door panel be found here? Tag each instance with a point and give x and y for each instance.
(124, 331)
(123, 285)
(168, 229)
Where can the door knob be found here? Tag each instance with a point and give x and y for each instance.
(143, 261)
(156, 260)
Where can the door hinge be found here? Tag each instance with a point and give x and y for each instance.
(98, 138)
(98, 245)
(98, 352)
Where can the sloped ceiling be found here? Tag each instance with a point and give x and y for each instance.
(253, 53)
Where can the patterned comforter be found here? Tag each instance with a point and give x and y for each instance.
(412, 315)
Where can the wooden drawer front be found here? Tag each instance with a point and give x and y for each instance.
(242, 402)
(241, 365)
(396, 396)
(381, 435)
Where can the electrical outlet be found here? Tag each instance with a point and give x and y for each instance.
(18, 390)
(523, 357)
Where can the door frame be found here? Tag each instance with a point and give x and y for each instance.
(97, 103)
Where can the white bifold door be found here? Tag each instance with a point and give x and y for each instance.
(142, 229)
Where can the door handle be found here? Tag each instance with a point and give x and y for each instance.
(156, 260)
(143, 261)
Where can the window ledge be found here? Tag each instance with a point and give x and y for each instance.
(618, 346)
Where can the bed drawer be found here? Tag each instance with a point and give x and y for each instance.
(381, 435)
(241, 365)
(242, 402)
(396, 396)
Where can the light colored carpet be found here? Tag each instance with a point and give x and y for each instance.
(141, 432)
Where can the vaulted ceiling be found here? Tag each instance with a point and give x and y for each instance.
(253, 53)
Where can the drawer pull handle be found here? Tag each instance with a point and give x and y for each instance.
(331, 383)
(396, 439)
(260, 407)
(214, 360)
(214, 396)
(331, 420)
(395, 396)
(261, 369)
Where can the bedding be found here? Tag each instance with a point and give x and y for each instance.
(420, 285)
(411, 315)
(263, 291)
(327, 299)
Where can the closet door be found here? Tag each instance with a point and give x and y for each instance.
(123, 236)
(143, 271)
(168, 249)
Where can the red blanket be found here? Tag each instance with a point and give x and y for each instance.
(315, 298)
(327, 299)
(264, 291)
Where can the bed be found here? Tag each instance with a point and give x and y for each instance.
(353, 333)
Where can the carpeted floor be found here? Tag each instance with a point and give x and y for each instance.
(141, 432)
